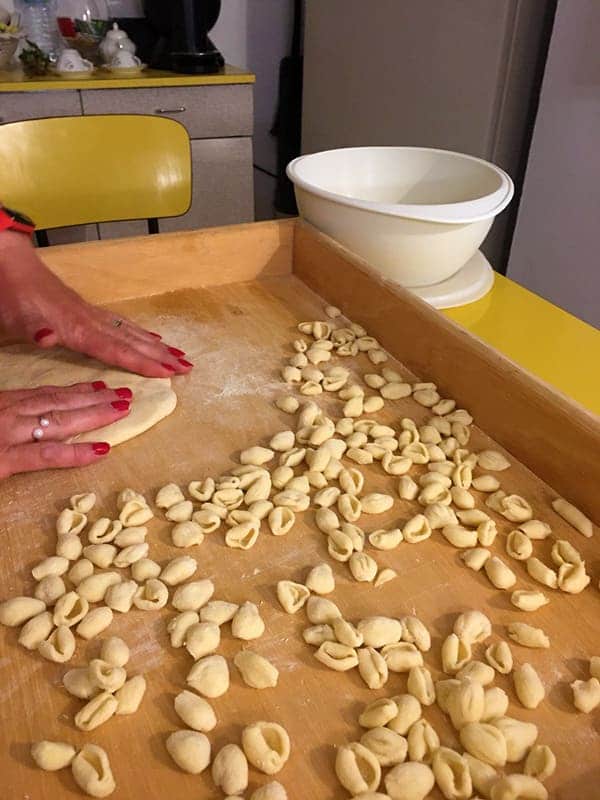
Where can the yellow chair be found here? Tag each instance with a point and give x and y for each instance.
(77, 170)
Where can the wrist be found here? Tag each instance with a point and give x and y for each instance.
(16, 251)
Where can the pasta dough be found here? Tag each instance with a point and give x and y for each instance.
(230, 770)
(195, 711)
(190, 750)
(410, 781)
(256, 670)
(24, 367)
(52, 756)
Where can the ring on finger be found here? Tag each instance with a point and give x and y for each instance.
(38, 432)
(117, 322)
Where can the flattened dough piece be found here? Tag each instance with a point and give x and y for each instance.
(23, 367)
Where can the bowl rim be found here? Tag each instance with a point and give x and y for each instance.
(462, 212)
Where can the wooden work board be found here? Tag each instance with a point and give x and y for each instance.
(240, 294)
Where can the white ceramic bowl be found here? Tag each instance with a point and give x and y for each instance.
(416, 214)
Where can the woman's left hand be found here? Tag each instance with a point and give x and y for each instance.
(37, 306)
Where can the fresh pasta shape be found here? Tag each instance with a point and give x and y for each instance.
(402, 656)
(409, 711)
(372, 667)
(416, 529)
(281, 520)
(196, 712)
(326, 520)
(218, 611)
(144, 569)
(120, 597)
(346, 633)
(292, 596)
(209, 676)
(573, 516)
(541, 573)
(350, 507)
(54, 565)
(443, 691)
(152, 595)
(230, 770)
(18, 610)
(134, 513)
(540, 762)
(420, 685)
(190, 750)
(202, 639)
(187, 534)
(96, 712)
(563, 552)
(499, 574)
(69, 546)
(94, 587)
(415, 632)
(130, 695)
(452, 774)
(207, 519)
(94, 622)
(378, 713)
(321, 610)
(247, 623)
(91, 771)
(179, 625)
(475, 557)
(106, 676)
(320, 579)
(192, 596)
(168, 496)
(519, 546)
(528, 600)
(455, 653)
(357, 768)
(536, 529)
(492, 460)
(388, 747)
(77, 682)
(70, 521)
(466, 702)
(472, 626)
(336, 656)
(495, 704)
(380, 631)
(376, 503)
(49, 589)
(499, 656)
(266, 745)
(586, 694)
(423, 741)
(52, 756)
(484, 742)
(520, 736)
(317, 634)
(59, 646)
(459, 536)
(477, 671)
(202, 490)
(36, 630)
(410, 781)
(573, 578)
(527, 636)
(178, 570)
(115, 651)
(518, 787)
(363, 567)
(256, 670)
(528, 686)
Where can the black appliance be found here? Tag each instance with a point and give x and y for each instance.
(181, 41)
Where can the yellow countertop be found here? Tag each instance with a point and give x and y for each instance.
(552, 344)
(15, 80)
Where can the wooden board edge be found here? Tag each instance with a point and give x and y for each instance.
(112, 270)
(553, 435)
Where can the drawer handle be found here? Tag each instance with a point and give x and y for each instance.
(179, 110)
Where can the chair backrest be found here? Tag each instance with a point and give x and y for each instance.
(77, 170)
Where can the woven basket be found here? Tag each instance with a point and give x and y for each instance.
(8, 47)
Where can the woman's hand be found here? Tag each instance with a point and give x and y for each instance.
(60, 413)
(37, 306)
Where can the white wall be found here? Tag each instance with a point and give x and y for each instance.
(555, 247)
(230, 32)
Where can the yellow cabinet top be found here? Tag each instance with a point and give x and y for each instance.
(549, 342)
(15, 80)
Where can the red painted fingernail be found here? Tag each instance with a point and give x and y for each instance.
(185, 363)
(169, 367)
(124, 392)
(98, 386)
(175, 351)
(42, 333)
(120, 405)
(100, 448)
(156, 335)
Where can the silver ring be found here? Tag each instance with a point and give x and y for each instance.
(37, 434)
(44, 422)
(117, 323)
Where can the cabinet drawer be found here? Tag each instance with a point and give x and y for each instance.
(222, 193)
(17, 106)
(206, 111)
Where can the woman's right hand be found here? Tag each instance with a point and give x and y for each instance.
(68, 410)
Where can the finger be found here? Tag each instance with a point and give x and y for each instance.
(115, 350)
(45, 337)
(13, 396)
(64, 424)
(131, 331)
(53, 400)
(34, 456)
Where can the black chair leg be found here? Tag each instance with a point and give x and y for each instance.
(152, 225)
(41, 238)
